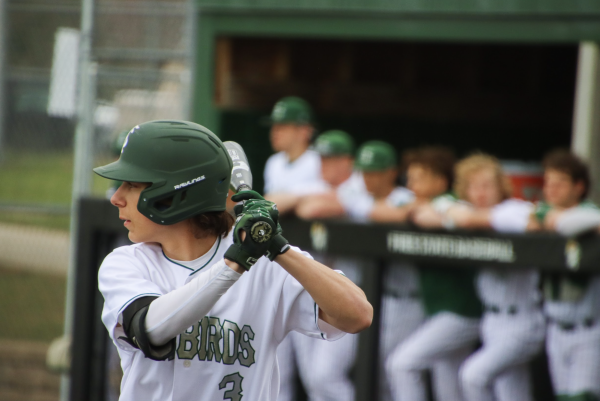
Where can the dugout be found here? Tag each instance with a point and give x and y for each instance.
(498, 77)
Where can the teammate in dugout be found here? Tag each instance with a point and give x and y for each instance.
(571, 299)
(376, 162)
(294, 170)
(336, 151)
(189, 317)
(449, 297)
(513, 326)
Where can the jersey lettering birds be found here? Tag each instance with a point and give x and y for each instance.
(229, 354)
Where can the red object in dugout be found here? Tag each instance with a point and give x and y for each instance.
(527, 179)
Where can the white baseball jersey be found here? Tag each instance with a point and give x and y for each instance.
(230, 353)
(301, 177)
(500, 287)
(358, 203)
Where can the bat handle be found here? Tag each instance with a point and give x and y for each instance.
(244, 187)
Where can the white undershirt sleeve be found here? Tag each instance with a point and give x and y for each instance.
(577, 220)
(172, 313)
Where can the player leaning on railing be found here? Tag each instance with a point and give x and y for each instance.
(189, 317)
(571, 300)
(513, 326)
(451, 330)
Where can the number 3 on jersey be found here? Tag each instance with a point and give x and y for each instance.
(235, 394)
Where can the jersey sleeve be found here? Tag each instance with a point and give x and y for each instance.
(268, 175)
(400, 196)
(301, 313)
(122, 279)
(356, 203)
(511, 215)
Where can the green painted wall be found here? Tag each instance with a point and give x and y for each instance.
(544, 7)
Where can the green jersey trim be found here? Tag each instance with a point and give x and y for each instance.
(209, 260)
(200, 268)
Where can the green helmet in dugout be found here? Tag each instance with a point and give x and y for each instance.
(187, 166)
(334, 143)
(375, 156)
(291, 110)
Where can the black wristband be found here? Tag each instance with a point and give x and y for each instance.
(277, 246)
(237, 254)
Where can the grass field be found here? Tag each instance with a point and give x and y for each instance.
(33, 305)
(34, 178)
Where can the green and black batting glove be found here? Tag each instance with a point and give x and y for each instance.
(253, 200)
(277, 246)
(278, 243)
(246, 197)
(259, 228)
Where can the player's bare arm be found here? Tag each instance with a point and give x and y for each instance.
(427, 217)
(533, 224)
(464, 217)
(342, 304)
(383, 212)
(319, 206)
(286, 202)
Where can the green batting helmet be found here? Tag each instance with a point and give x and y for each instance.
(291, 110)
(375, 156)
(118, 142)
(187, 166)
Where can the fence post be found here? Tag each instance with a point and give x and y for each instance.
(82, 163)
(367, 359)
(3, 73)
(586, 122)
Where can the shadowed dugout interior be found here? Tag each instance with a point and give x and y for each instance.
(512, 100)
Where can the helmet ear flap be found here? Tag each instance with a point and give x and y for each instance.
(169, 202)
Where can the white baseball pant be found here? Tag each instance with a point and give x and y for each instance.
(441, 344)
(499, 370)
(574, 359)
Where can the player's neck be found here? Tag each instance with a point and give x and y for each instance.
(184, 246)
(295, 153)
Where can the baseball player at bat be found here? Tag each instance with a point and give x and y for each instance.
(195, 307)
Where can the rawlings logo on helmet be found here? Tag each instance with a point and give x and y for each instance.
(127, 137)
(185, 184)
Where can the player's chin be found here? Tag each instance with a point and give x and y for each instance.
(134, 238)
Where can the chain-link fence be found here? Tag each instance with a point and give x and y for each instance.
(142, 54)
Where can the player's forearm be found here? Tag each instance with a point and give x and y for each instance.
(285, 202)
(172, 313)
(472, 219)
(383, 212)
(342, 303)
(319, 207)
